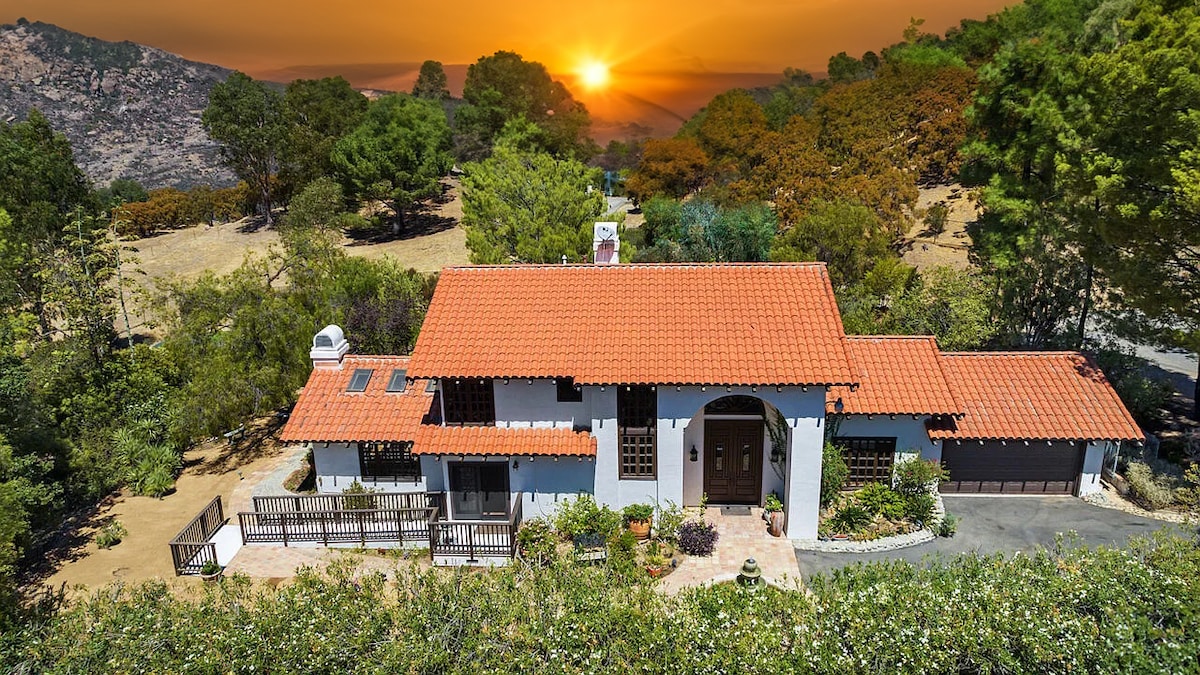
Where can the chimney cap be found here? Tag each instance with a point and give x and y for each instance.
(329, 346)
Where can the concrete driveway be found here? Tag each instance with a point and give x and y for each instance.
(1006, 524)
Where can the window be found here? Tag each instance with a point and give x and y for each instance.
(567, 391)
(399, 381)
(388, 461)
(868, 459)
(637, 424)
(431, 386)
(469, 402)
(360, 378)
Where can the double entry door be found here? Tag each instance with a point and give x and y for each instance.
(733, 461)
(479, 490)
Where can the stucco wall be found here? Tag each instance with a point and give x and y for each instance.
(910, 434)
(522, 404)
(337, 467)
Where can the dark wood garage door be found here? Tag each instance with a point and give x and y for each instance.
(1017, 468)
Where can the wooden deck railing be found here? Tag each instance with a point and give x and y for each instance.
(190, 549)
(473, 538)
(336, 527)
(371, 501)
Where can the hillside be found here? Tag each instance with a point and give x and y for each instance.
(130, 111)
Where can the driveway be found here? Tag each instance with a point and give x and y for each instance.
(1005, 525)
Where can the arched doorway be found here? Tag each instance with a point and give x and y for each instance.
(733, 450)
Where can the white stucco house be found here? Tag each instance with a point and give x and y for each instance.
(530, 384)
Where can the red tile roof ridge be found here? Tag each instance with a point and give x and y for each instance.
(891, 337)
(1026, 352)
(591, 266)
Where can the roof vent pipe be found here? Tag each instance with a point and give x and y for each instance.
(329, 347)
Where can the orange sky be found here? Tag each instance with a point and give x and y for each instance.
(675, 54)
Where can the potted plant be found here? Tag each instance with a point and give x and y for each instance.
(774, 514)
(637, 519)
(656, 565)
(210, 570)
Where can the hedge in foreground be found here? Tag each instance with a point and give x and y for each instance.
(1070, 609)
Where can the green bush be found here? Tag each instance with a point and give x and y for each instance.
(879, 499)
(111, 534)
(1067, 609)
(849, 519)
(583, 515)
(637, 512)
(667, 522)
(358, 496)
(916, 476)
(949, 526)
(773, 503)
(536, 541)
(833, 474)
(919, 507)
(1151, 490)
(153, 472)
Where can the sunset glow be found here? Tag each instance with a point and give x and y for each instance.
(669, 57)
(594, 75)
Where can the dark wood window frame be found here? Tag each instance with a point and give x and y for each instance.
(469, 402)
(637, 426)
(870, 459)
(567, 391)
(391, 460)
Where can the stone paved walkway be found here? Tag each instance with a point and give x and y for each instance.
(742, 534)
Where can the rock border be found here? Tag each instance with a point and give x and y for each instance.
(891, 543)
(1116, 502)
(272, 485)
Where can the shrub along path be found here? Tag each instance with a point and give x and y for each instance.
(1006, 525)
(742, 533)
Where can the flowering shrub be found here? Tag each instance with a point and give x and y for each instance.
(697, 537)
(536, 541)
(915, 476)
(1066, 609)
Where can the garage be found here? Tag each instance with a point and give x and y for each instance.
(1013, 467)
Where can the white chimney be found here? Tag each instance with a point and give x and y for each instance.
(329, 347)
(606, 246)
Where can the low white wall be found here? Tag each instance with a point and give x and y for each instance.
(336, 467)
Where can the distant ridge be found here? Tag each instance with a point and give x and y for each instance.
(130, 111)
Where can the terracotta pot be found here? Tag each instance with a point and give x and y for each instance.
(640, 529)
(656, 572)
(775, 523)
(210, 577)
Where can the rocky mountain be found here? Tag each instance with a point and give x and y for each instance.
(130, 111)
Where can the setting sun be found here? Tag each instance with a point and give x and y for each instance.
(594, 75)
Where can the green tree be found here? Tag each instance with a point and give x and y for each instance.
(847, 237)
(399, 153)
(504, 87)
(247, 118)
(531, 208)
(319, 113)
(431, 82)
(953, 305)
(844, 69)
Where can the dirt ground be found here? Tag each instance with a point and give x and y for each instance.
(431, 240)
(214, 468)
(922, 250)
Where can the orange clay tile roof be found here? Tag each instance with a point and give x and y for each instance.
(561, 442)
(636, 324)
(326, 412)
(898, 375)
(1033, 396)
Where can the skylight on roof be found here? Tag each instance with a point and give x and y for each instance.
(360, 378)
(399, 381)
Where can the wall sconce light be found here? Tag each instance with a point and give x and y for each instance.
(838, 406)
(695, 455)
(516, 465)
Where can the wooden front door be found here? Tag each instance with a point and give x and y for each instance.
(733, 459)
(479, 490)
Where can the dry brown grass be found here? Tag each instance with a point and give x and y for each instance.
(922, 250)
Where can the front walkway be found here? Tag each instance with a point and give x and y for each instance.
(742, 534)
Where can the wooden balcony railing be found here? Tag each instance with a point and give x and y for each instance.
(326, 519)
(474, 538)
(191, 548)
